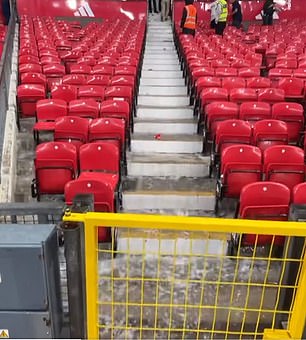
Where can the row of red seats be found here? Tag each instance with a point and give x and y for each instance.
(48, 110)
(244, 164)
(123, 77)
(292, 114)
(29, 94)
(95, 169)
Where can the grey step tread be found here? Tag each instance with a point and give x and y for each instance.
(165, 121)
(167, 137)
(167, 158)
(168, 185)
(171, 91)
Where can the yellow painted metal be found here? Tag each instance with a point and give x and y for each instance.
(180, 223)
(276, 334)
(133, 227)
(298, 318)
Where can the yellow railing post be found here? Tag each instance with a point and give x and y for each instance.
(298, 317)
(91, 274)
(91, 270)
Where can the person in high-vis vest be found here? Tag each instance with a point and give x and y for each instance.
(189, 18)
(222, 12)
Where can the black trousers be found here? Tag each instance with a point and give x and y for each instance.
(220, 27)
(267, 19)
(188, 31)
(213, 24)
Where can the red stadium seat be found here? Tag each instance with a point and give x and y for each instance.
(86, 108)
(47, 111)
(293, 87)
(269, 132)
(29, 68)
(116, 109)
(249, 72)
(98, 79)
(226, 72)
(54, 73)
(271, 95)
(80, 69)
(233, 82)
(258, 83)
(241, 95)
(215, 113)
(72, 130)
(213, 94)
(104, 193)
(293, 115)
(27, 96)
(103, 70)
(55, 165)
(74, 79)
(264, 201)
(284, 164)
(299, 194)
(240, 165)
(300, 73)
(254, 111)
(111, 130)
(120, 93)
(64, 92)
(229, 132)
(33, 78)
(95, 92)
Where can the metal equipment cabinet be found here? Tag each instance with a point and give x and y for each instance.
(30, 297)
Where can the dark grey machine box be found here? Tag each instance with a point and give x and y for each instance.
(30, 297)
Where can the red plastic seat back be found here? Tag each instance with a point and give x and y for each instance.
(232, 131)
(119, 93)
(293, 115)
(258, 83)
(241, 95)
(50, 109)
(240, 165)
(213, 94)
(27, 96)
(299, 193)
(55, 165)
(64, 92)
(100, 156)
(102, 191)
(86, 108)
(116, 109)
(217, 112)
(233, 82)
(284, 164)
(254, 111)
(269, 132)
(95, 92)
(293, 87)
(264, 201)
(71, 129)
(108, 129)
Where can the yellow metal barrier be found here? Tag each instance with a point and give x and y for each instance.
(173, 278)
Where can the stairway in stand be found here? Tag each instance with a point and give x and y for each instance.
(167, 174)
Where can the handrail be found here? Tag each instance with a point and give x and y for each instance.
(5, 73)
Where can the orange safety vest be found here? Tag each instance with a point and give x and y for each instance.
(190, 21)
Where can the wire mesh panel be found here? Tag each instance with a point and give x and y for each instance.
(179, 281)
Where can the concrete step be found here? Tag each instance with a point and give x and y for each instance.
(168, 164)
(154, 63)
(141, 193)
(176, 74)
(163, 101)
(161, 53)
(162, 67)
(160, 48)
(162, 82)
(175, 243)
(162, 91)
(183, 126)
(166, 57)
(164, 113)
(166, 42)
(167, 143)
